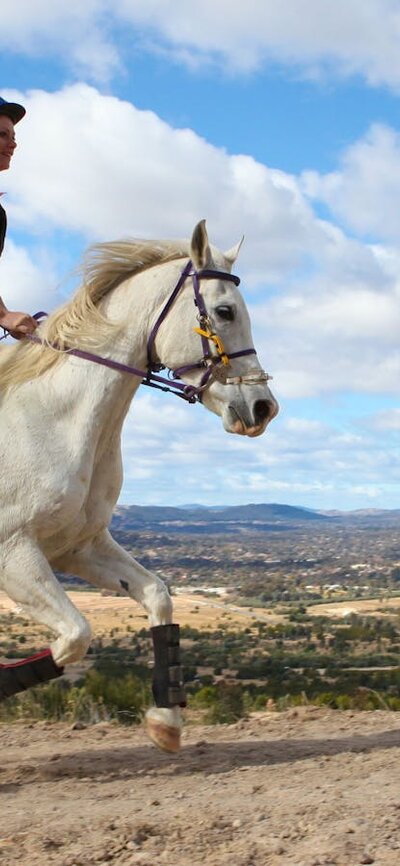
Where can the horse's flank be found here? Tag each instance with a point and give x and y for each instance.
(80, 322)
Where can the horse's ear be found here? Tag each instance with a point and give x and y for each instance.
(232, 254)
(200, 252)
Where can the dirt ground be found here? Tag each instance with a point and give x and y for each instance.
(309, 787)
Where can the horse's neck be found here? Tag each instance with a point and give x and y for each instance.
(94, 398)
(97, 396)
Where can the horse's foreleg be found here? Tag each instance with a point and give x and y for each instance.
(103, 562)
(28, 580)
(106, 564)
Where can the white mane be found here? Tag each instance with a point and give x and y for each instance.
(80, 322)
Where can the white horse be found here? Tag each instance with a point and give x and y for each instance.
(61, 417)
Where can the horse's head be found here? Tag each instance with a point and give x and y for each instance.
(213, 347)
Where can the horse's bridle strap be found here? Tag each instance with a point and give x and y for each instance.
(164, 312)
(209, 362)
(197, 276)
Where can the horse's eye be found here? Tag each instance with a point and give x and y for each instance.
(225, 312)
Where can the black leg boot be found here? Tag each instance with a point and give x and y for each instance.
(167, 676)
(21, 675)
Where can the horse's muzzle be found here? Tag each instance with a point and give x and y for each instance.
(250, 421)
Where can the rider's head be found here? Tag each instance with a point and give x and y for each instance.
(10, 114)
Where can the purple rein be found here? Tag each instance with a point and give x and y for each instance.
(150, 377)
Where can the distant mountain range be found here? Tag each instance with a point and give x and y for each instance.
(199, 518)
(365, 512)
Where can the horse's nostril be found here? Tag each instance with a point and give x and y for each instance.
(262, 411)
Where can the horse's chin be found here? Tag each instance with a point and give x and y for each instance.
(238, 426)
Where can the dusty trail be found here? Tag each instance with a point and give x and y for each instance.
(302, 788)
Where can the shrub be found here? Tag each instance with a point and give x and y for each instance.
(229, 705)
(97, 698)
(124, 697)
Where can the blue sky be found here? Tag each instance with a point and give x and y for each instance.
(295, 143)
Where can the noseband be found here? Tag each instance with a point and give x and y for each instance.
(215, 365)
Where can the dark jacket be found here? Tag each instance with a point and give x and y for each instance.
(3, 227)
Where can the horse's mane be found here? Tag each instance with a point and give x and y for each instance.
(80, 322)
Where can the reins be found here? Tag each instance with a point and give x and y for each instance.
(214, 365)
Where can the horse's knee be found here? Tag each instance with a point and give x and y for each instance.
(81, 639)
(158, 603)
(73, 644)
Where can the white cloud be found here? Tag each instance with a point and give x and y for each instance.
(366, 491)
(107, 170)
(387, 420)
(28, 284)
(73, 32)
(298, 459)
(333, 333)
(365, 190)
(348, 37)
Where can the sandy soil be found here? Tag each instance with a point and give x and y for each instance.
(309, 787)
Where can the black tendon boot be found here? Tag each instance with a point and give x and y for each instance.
(25, 673)
(167, 675)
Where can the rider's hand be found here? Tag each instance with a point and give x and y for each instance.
(18, 324)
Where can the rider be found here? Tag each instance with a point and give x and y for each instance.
(18, 324)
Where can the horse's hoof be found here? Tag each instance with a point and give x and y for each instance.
(164, 736)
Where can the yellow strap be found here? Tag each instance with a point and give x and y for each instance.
(217, 342)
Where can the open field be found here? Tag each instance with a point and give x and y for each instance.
(362, 607)
(107, 613)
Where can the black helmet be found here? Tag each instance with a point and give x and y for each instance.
(12, 110)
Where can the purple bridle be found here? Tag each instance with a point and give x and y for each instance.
(210, 362)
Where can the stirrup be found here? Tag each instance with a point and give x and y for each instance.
(21, 675)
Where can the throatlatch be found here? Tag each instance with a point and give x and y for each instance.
(168, 688)
(25, 673)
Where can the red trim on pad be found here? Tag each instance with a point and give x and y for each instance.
(43, 654)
